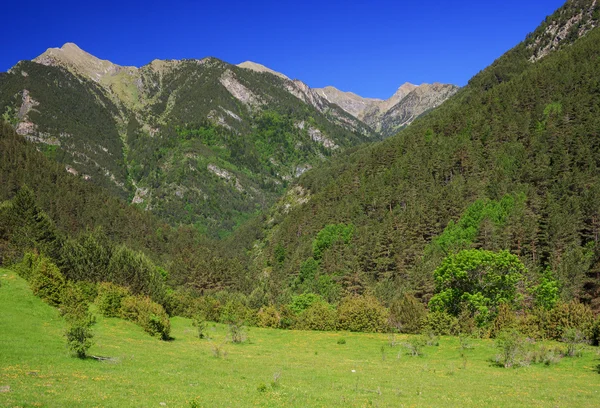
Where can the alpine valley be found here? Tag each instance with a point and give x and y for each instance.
(199, 142)
(445, 242)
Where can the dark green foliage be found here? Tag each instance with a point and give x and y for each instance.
(407, 315)
(88, 257)
(477, 280)
(511, 160)
(362, 314)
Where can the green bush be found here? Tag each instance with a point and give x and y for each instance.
(110, 297)
(79, 335)
(512, 346)
(442, 324)
(362, 314)
(149, 315)
(135, 271)
(302, 302)
(235, 311)
(47, 282)
(407, 315)
(268, 316)
(564, 316)
(318, 316)
(199, 322)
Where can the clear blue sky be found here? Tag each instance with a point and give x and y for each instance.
(368, 47)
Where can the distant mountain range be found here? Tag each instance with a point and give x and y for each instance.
(196, 141)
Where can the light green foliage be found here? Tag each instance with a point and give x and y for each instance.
(546, 293)
(574, 339)
(329, 235)
(462, 234)
(479, 280)
(200, 323)
(362, 313)
(302, 302)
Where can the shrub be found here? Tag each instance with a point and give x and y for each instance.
(362, 314)
(441, 323)
(407, 315)
(237, 331)
(268, 316)
(546, 355)
(199, 322)
(149, 315)
(73, 303)
(47, 282)
(110, 298)
(505, 320)
(318, 316)
(302, 302)
(79, 335)
(511, 344)
(415, 345)
(574, 339)
(564, 316)
(235, 311)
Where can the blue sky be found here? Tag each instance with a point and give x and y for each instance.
(367, 47)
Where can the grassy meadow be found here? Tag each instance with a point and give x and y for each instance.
(272, 368)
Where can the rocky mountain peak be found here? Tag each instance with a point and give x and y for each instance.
(260, 68)
(72, 57)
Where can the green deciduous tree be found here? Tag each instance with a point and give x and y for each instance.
(478, 280)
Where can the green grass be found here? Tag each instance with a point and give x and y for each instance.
(314, 370)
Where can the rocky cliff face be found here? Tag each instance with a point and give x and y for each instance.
(388, 116)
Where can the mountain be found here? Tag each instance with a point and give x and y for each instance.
(390, 115)
(198, 142)
(510, 162)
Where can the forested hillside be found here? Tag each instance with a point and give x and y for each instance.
(43, 207)
(511, 162)
(196, 142)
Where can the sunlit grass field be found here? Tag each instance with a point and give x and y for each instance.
(273, 368)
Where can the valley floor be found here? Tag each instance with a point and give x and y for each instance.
(273, 368)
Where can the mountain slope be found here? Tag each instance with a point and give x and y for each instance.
(198, 142)
(512, 161)
(390, 115)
